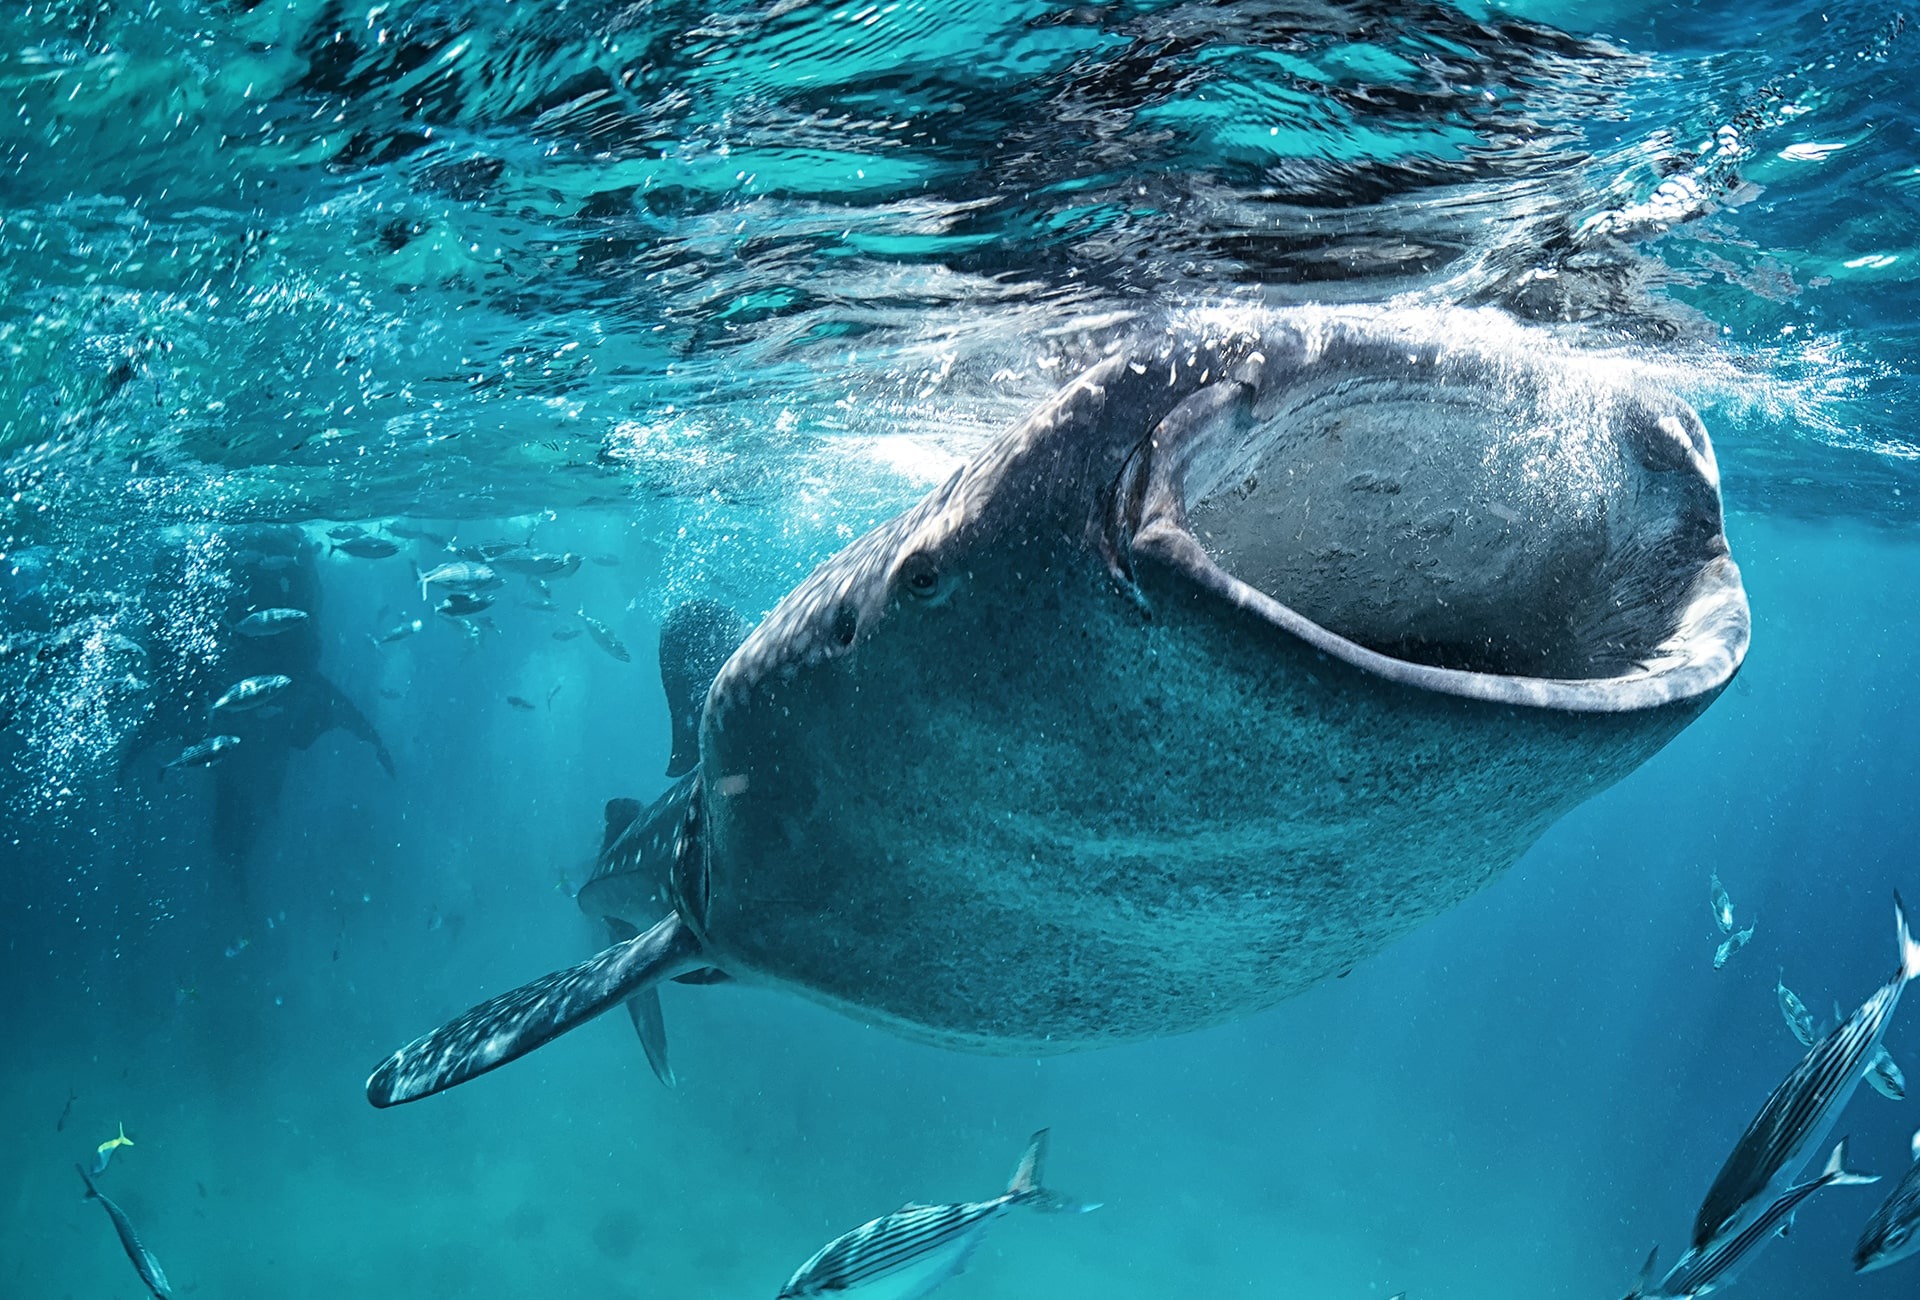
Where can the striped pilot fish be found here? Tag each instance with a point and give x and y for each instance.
(1706, 1269)
(1893, 1233)
(906, 1254)
(1802, 1110)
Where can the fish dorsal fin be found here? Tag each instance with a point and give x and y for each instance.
(621, 815)
(911, 1206)
(696, 639)
(1644, 1279)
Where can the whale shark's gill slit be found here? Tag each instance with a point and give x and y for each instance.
(846, 625)
(513, 1024)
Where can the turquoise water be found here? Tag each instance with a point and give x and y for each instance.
(701, 293)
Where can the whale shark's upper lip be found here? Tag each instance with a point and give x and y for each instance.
(1483, 540)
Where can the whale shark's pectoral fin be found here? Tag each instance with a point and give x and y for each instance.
(696, 640)
(513, 1024)
(644, 1009)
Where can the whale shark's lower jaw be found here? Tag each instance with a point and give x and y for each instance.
(1462, 523)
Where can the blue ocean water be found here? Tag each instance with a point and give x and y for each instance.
(700, 293)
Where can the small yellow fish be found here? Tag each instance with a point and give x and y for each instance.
(104, 1152)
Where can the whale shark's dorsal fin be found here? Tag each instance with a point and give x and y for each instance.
(513, 1024)
(621, 815)
(695, 640)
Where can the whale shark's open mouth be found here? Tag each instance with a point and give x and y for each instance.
(1505, 540)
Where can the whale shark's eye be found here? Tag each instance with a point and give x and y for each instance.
(920, 575)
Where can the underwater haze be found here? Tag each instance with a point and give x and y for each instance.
(637, 304)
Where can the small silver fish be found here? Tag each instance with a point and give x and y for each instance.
(604, 638)
(1884, 1077)
(461, 604)
(1730, 945)
(521, 705)
(1893, 1233)
(151, 1274)
(539, 564)
(414, 534)
(252, 692)
(906, 1254)
(398, 632)
(1720, 905)
(461, 577)
(270, 622)
(205, 754)
(367, 546)
(488, 552)
(1799, 1019)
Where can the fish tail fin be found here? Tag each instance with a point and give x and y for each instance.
(418, 576)
(125, 1141)
(1837, 1174)
(1025, 1187)
(1909, 950)
(1645, 1277)
(1027, 1174)
(93, 1193)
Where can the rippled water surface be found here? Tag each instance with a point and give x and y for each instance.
(296, 292)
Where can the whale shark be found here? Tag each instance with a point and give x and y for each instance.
(264, 566)
(1268, 637)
